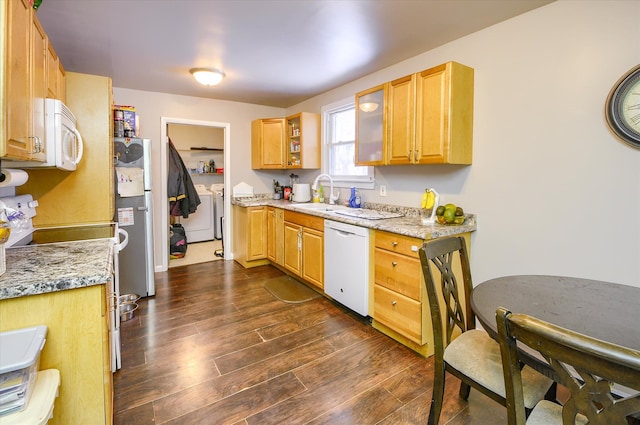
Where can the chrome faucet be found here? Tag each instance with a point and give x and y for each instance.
(332, 198)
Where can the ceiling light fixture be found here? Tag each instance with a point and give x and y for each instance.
(207, 76)
(368, 106)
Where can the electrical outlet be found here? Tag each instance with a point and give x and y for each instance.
(383, 190)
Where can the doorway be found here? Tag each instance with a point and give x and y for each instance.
(164, 216)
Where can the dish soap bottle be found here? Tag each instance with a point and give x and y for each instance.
(352, 199)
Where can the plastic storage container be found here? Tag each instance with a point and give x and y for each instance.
(19, 360)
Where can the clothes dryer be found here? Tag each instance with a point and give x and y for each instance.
(199, 226)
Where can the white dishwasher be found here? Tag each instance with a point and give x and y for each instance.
(346, 265)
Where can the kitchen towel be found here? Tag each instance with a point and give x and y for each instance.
(12, 178)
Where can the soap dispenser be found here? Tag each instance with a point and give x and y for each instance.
(354, 199)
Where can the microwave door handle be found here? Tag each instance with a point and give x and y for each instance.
(80, 145)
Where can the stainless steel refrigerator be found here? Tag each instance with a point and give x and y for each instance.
(134, 214)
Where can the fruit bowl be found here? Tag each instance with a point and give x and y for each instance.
(457, 220)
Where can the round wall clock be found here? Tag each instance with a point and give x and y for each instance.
(623, 107)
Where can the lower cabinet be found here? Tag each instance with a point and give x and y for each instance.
(250, 235)
(77, 345)
(304, 247)
(401, 305)
(275, 235)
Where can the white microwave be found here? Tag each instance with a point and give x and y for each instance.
(63, 143)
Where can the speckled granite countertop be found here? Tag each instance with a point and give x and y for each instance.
(409, 225)
(38, 269)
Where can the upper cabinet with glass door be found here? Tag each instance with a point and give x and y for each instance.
(426, 118)
(370, 126)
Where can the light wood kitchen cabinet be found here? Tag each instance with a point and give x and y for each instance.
(430, 118)
(55, 76)
(77, 345)
(268, 143)
(422, 118)
(371, 139)
(313, 256)
(304, 247)
(24, 80)
(284, 143)
(250, 235)
(303, 141)
(275, 235)
(401, 120)
(400, 303)
(293, 248)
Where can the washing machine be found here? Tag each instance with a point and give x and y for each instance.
(199, 226)
(218, 208)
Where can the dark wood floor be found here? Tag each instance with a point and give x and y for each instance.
(214, 347)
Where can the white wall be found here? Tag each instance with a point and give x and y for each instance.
(555, 192)
(153, 106)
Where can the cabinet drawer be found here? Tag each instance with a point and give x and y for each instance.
(305, 220)
(399, 273)
(393, 242)
(400, 313)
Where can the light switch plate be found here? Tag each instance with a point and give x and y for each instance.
(383, 190)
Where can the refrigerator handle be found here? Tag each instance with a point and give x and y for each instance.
(143, 209)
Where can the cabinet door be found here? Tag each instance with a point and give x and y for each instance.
(271, 234)
(401, 121)
(62, 84)
(17, 80)
(275, 235)
(293, 248)
(38, 89)
(257, 236)
(313, 257)
(370, 126)
(52, 72)
(268, 143)
(444, 128)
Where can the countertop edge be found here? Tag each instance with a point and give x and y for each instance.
(93, 267)
(408, 225)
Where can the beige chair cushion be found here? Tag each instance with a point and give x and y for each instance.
(477, 356)
(548, 413)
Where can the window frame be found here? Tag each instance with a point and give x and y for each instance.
(359, 182)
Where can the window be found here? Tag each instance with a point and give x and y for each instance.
(339, 147)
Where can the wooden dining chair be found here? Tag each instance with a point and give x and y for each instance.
(460, 349)
(588, 367)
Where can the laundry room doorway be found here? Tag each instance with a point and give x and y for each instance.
(204, 149)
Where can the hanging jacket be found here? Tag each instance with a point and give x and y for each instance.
(183, 198)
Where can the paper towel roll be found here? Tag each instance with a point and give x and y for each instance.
(11, 178)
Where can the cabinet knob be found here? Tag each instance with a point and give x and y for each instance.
(393, 303)
(394, 263)
(409, 155)
(394, 244)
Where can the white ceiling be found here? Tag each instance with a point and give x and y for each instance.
(275, 53)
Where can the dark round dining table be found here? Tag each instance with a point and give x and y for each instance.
(603, 310)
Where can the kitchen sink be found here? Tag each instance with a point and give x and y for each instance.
(320, 207)
(363, 213)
